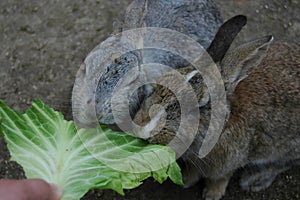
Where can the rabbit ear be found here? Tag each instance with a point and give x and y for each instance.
(205, 98)
(190, 75)
(239, 63)
(135, 14)
(225, 36)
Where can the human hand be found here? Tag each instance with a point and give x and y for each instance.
(28, 189)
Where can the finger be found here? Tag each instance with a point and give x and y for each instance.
(31, 189)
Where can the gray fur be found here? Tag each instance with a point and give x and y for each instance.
(198, 19)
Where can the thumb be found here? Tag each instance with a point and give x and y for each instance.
(39, 189)
(29, 189)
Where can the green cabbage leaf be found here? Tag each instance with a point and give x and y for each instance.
(51, 148)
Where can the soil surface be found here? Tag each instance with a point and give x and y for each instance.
(44, 42)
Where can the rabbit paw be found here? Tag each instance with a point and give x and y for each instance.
(190, 176)
(215, 190)
(212, 194)
(259, 180)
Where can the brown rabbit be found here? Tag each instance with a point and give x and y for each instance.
(262, 131)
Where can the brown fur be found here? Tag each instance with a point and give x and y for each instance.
(263, 127)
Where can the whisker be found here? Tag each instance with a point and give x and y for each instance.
(192, 160)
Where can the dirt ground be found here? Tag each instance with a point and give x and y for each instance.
(44, 42)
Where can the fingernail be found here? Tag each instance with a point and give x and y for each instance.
(57, 191)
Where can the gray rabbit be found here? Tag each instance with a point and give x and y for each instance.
(262, 130)
(96, 80)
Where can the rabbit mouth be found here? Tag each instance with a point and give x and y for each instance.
(114, 127)
(162, 138)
